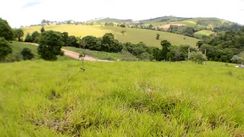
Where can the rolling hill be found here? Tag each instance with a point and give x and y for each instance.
(133, 35)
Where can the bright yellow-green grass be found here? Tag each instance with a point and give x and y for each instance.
(204, 33)
(133, 99)
(190, 23)
(77, 30)
(131, 34)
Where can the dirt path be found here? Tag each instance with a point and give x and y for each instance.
(76, 55)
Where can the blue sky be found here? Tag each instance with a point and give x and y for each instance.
(27, 12)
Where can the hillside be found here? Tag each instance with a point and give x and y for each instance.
(179, 24)
(122, 34)
(56, 99)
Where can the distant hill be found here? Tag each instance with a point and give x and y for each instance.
(111, 20)
(194, 27)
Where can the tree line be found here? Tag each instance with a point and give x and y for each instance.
(7, 34)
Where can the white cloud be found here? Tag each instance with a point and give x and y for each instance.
(26, 12)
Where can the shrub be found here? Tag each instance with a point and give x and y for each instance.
(197, 57)
(237, 59)
(5, 49)
(27, 54)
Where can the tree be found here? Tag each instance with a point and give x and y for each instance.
(72, 41)
(110, 44)
(65, 36)
(36, 37)
(199, 44)
(91, 42)
(50, 45)
(5, 49)
(157, 36)
(42, 29)
(27, 54)
(197, 57)
(28, 38)
(19, 33)
(165, 49)
(5, 30)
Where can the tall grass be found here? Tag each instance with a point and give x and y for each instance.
(39, 98)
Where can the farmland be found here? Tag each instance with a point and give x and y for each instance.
(129, 35)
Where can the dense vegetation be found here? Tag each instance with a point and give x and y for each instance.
(224, 46)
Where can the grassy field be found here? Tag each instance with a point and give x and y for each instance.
(17, 47)
(130, 35)
(57, 99)
(124, 56)
(204, 33)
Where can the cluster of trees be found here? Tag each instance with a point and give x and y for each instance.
(7, 34)
(35, 37)
(224, 46)
(168, 52)
(107, 43)
(185, 30)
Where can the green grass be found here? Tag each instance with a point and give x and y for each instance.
(17, 47)
(131, 34)
(125, 56)
(57, 99)
(149, 36)
(203, 33)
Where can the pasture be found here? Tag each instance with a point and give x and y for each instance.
(122, 34)
(56, 99)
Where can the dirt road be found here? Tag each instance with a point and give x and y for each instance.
(76, 56)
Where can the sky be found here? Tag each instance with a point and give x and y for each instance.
(26, 12)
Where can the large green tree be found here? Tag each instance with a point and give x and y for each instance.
(165, 49)
(91, 42)
(5, 30)
(50, 45)
(5, 48)
(110, 44)
(18, 33)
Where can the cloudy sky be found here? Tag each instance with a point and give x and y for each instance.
(26, 12)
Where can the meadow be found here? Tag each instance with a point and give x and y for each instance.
(129, 35)
(56, 99)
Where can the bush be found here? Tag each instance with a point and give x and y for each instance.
(5, 49)
(197, 57)
(237, 59)
(140, 50)
(50, 46)
(27, 54)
